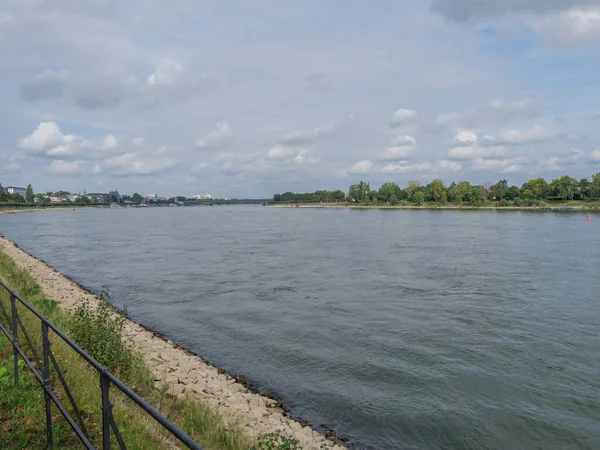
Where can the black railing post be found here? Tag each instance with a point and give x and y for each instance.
(106, 415)
(16, 346)
(47, 385)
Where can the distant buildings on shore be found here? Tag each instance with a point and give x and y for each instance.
(202, 197)
(101, 197)
(16, 190)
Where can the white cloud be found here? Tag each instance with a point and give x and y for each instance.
(60, 167)
(291, 154)
(496, 165)
(569, 28)
(445, 166)
(403, 117)
(305, 157)
(45, 136)
(498, 110)
(138, 141)
(442, 166)
(110, 142)
(49, 140)
(137, 163)
(198, 168)
(303, 137)
(166, 72)
(565, 160)
(281, 152)
(71, 145)
(445, 119)
(595, 155)
(10, 167)
(535, 134)
(465, 138)
(400, 147)
(360, 168)
(476, 151)
(464, 10)
(216, 138)
(406, 167)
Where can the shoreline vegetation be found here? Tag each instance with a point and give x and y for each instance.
(562, 193)
(214, 408)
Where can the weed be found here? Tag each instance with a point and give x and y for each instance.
(99, 331)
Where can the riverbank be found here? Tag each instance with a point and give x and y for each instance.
(433, 207)
(183, 373)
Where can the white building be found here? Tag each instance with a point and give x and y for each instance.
(16, 190)
(202, 197)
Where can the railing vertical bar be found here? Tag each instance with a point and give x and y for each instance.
(105, 386)
(117, 434)
(16, 345)
(4, 313)
(30, 343)
(47, 385)
(68, 392)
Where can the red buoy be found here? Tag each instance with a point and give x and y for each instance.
(588, 218)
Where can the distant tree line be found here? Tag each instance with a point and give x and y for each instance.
(532, 193)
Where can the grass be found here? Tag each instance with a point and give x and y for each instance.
(22, 413)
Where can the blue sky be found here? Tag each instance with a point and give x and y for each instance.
(248, 98)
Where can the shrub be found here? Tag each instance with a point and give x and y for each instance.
(99, 331)
(505, 203)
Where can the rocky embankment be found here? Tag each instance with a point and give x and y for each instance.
(182, 372)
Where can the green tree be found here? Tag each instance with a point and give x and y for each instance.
(373, 196)
(475, 196)
(512, 193)
(15, 198)
(387, 191)
(338, 196)
(499, 190)
(137, 198)
(585, 189)
(418, 197)
(436, 192)
(3, 194)
(458, 193)
(537, 188)
(359, 192)
(595, 187)
(29, 194)
(564, 187)
(412, 187)
(85, 200)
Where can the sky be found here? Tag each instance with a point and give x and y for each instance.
(247, 98)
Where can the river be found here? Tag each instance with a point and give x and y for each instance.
(399, 329)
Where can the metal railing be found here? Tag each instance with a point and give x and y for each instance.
(41, 370)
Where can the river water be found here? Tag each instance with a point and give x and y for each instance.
(408, 329)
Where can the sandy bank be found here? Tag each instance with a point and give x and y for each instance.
(184, 372)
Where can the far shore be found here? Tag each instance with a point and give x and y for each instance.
(428, 207)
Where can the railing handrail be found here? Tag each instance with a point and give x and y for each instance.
(103, 372)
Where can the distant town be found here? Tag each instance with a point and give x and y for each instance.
(13, 195)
